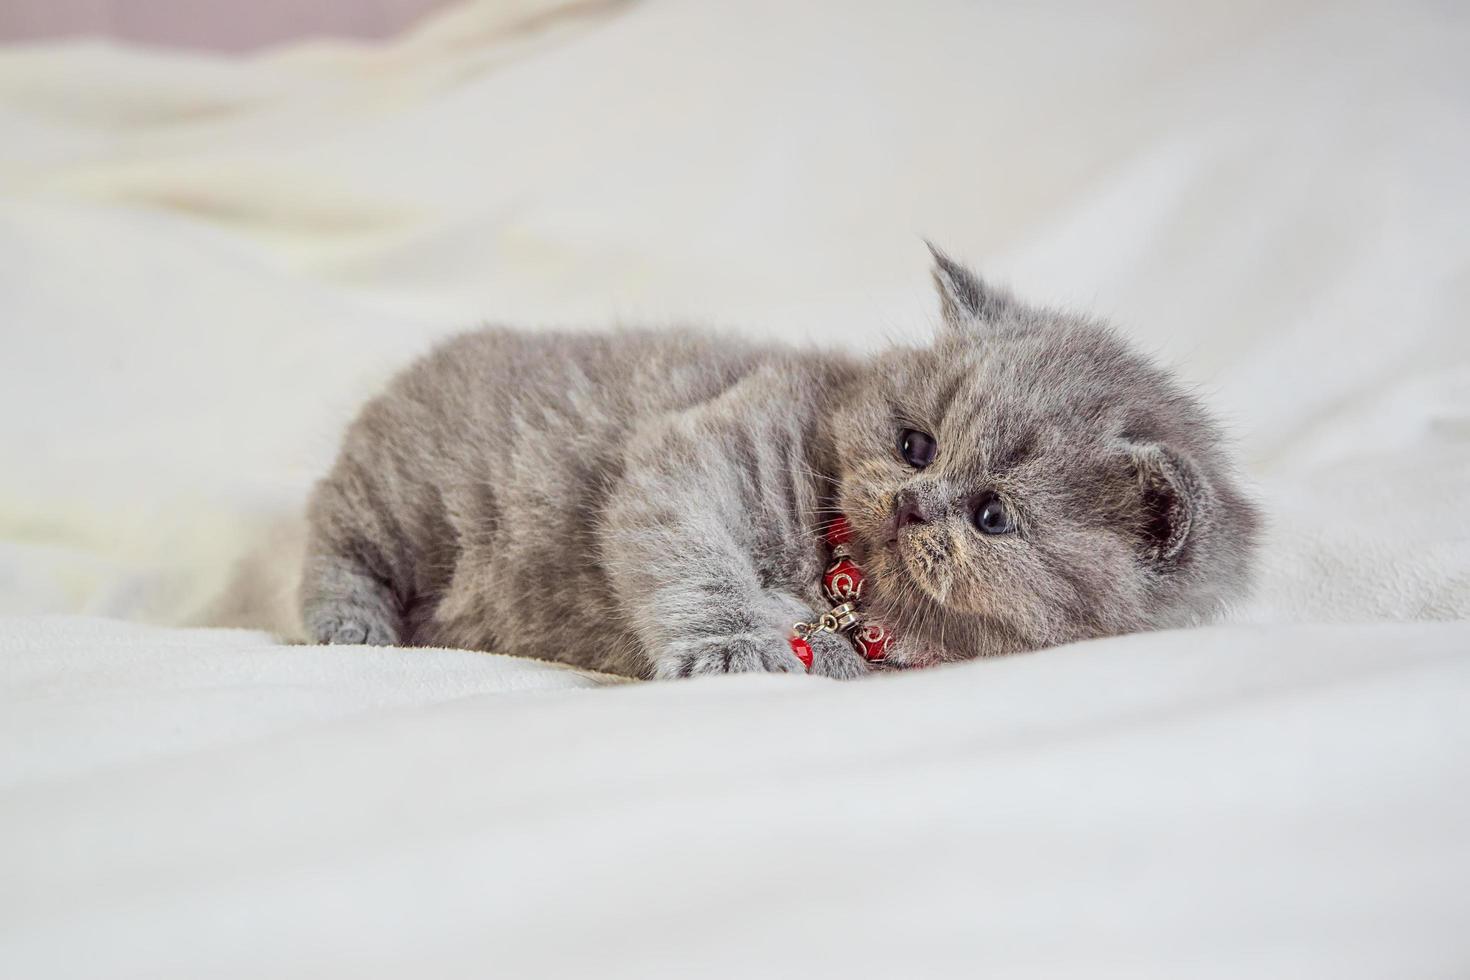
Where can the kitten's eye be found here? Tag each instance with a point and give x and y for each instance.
(992, 517)
(917, 448)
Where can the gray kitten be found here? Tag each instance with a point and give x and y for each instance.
(650, 503)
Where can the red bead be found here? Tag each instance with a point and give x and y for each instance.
(803, 650)
(838, 531)
(873, 641)
(843, 581)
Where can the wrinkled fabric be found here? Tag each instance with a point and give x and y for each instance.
(207, 263)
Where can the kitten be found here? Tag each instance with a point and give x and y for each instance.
(649, 503)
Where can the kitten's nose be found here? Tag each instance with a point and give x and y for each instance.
(908, 513)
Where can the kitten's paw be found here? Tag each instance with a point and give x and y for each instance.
(835, 656)
(353, 629)
(743, 653)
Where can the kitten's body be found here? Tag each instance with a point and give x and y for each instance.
(649, 502)
(512, 491)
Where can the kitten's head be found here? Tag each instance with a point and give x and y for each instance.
(1028, 479)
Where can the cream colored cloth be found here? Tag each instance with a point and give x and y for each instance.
(206, 264)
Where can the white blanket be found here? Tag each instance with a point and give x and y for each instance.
(206, 263)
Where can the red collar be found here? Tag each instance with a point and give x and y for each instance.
(842, 584)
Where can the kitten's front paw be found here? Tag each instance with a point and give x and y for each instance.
(835, 656)
(742, 653)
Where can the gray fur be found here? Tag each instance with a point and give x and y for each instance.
(649, 502)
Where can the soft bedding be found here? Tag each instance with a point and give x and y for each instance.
(206, 263)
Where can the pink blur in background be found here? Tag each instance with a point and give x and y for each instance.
(221, 25)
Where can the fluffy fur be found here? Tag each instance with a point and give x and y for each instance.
(649, 502)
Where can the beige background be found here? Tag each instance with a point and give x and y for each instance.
(206, 262)
(226, 25)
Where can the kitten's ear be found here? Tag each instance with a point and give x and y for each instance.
(965, 301)
(1170, 501)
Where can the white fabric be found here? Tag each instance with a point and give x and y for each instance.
(1236, 801)
(206, 263)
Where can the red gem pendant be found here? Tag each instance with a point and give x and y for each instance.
(802, 649)
(843, 581)
(872, 641)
